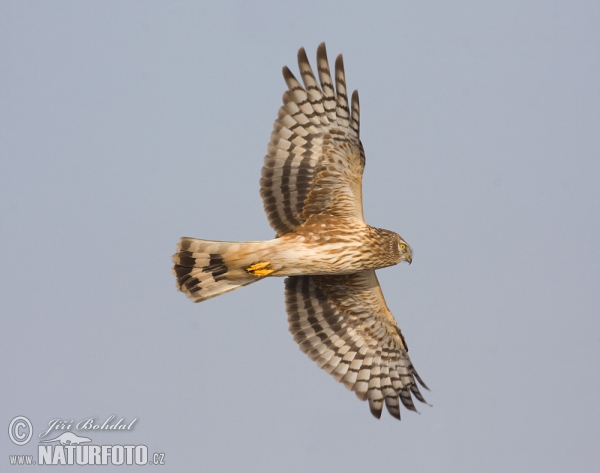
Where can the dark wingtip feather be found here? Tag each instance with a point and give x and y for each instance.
(339, 65)
(376, 409)
(287, 74)
(420, 380)
(322, 51)
(302, 57)
(393, 406)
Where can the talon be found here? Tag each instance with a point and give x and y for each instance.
(260, 269)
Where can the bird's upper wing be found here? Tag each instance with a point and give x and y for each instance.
(343, 324)
(315, 159)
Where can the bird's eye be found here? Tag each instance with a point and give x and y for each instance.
(403, 246)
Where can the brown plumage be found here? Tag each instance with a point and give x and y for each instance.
(311, 187)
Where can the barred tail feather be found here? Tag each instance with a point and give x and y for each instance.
(206, 269)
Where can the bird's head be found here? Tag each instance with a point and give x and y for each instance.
(397, 250)
(404, 250)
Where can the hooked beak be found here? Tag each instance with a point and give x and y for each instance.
(409, 259)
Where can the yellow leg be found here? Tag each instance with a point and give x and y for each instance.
(260, 269)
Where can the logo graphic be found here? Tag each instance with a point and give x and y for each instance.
(68, 438)
(20, 430)
(65, 447)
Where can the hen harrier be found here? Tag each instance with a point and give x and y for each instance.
(311, 190)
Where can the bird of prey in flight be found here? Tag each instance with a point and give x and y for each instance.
(311, 188)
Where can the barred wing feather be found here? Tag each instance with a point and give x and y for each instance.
(343, 324)
(315, 159)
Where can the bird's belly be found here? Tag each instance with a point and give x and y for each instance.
(307, 258)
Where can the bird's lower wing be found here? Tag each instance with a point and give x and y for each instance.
(343, 324)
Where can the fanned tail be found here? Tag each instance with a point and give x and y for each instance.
(206, 268)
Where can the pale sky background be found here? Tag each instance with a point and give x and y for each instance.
(127, 124)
